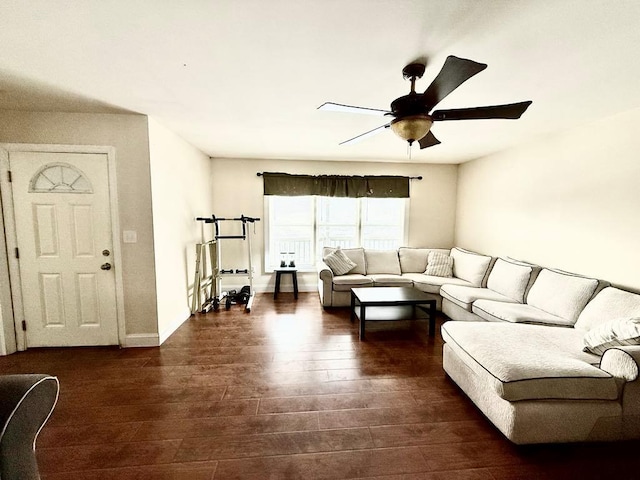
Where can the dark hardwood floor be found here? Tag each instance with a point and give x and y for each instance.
(288, 392)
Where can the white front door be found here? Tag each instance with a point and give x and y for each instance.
(64, 237)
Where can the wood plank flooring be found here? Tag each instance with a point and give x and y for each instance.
(285, 392)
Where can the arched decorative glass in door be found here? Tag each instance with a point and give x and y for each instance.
(59, 178)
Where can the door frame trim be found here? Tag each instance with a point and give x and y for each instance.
(9, 266)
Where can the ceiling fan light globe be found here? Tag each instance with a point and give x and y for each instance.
(412, 128)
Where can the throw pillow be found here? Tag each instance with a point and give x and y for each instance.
(338, 262)
(439, 265)
(621, 331)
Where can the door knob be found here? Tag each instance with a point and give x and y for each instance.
(105, 266)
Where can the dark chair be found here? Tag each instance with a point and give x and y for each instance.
(26, 402)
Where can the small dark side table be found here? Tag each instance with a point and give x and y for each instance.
(294, 276)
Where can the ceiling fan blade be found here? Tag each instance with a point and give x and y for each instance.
(429, 140)
(338, 107)
(364, 135)
(512, 111)
(454, 73)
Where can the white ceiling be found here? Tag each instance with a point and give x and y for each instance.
(243, 78)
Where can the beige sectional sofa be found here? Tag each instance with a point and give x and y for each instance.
(518, 352)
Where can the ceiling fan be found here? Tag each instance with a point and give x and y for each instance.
(412, 114)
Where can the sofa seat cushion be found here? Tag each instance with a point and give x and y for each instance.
(494, 311)
(464, 296)
(388, 280)
(344, 283)
(431, 283)
(530, 362)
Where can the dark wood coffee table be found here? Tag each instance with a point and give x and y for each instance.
(399, 303)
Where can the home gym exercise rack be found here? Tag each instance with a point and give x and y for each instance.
(216, 295)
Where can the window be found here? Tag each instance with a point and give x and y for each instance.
(383, 223)
(290, 225)
(299, 227)
(337, 222)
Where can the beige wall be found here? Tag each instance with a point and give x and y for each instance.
(569, 201)
(129, 135)
(237, 190)
(180, 191)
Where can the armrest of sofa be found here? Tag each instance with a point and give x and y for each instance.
(324, 272)
(27, 403)
(325, 283)
(622, 362)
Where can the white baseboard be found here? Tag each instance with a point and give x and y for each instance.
(152, 339)
(141, 340)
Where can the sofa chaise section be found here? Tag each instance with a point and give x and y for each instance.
(538, 385)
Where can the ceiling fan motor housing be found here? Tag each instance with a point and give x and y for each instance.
(411, 104)
(412, 121)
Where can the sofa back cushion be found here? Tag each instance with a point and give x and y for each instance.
(414, 260)
(470, 266)
(535, 271)
(561, 293)
(510, 279)
(609, 304)
(356, 255)
(382, 261)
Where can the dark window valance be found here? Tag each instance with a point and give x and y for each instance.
(384, 186)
